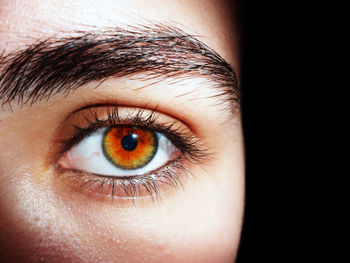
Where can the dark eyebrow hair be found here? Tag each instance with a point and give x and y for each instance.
(61, 64)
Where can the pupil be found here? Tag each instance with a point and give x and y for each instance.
(129, 142)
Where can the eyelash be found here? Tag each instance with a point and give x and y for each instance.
(191, 150)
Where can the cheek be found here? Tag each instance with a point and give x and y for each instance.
(192, 227)
(201, 224)
(31, 223)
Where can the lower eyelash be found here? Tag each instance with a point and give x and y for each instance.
(171, 174)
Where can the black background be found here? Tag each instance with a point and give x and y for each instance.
(272, 85)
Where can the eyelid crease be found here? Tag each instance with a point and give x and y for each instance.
(144, 106)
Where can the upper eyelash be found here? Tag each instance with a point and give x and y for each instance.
(189, 145)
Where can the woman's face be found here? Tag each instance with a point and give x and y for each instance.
(120, 132)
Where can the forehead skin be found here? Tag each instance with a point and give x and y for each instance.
(21, 21)
(47, 229)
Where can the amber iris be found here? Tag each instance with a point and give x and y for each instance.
(129, 147)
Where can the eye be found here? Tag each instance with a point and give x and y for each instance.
(121, 151)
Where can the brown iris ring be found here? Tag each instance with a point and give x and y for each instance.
(133, 156)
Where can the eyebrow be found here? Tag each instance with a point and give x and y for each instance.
(61, 64)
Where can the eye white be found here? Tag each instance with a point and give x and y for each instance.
(88, 156)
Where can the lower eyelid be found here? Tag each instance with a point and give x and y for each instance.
(170, 177)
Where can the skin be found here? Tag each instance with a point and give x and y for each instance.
(42, 219)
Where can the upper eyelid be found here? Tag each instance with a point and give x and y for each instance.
(90, 111)
(146, 108)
